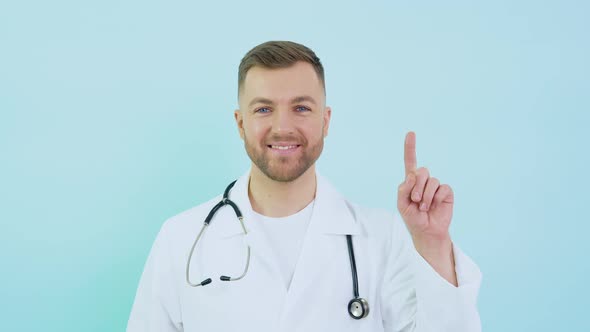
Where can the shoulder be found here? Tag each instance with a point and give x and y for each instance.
(177, 234)
(187, 221)
(383, 230)
(375, 221)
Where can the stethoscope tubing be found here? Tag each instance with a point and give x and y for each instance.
(358, 307)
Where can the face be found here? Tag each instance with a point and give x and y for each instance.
(283, 119)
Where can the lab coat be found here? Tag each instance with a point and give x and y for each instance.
(403, 291)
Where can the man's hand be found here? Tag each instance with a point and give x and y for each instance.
(427, 208)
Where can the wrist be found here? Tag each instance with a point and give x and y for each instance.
(433, 246)
(439, 255)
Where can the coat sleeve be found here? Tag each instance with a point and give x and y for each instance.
(416, 298)
(156, 306)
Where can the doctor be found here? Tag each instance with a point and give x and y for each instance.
(293, 246)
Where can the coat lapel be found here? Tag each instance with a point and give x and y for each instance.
(324, 247)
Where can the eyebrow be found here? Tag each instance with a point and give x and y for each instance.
(298, 99)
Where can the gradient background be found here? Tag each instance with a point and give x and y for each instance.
(115, 115)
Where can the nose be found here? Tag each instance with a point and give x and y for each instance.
(283, 122)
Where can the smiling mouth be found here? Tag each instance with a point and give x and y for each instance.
(283, 147)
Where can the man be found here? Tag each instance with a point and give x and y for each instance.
(293, 269)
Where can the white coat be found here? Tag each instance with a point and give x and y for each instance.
(404, 293)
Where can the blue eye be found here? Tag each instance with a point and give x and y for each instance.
(302, 109)
(263, 110)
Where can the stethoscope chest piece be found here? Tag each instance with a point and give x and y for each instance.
(358, 308)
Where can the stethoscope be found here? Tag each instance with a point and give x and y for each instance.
(357, 307)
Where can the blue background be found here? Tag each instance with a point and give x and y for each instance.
(115, 115)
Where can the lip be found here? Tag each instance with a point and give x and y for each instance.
(283, 152)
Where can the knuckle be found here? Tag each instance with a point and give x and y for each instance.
(445, 188)
(422, 174)
(424, 170)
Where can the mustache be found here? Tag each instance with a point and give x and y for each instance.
(286, 138)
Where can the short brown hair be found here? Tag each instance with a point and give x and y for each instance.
(279, 54)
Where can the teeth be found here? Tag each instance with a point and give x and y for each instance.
(279, 147)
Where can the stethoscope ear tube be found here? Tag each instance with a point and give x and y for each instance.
(223, 202)
(190, 255)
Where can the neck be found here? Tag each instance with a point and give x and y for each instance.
(280, 199)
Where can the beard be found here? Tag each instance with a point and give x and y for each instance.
(284, 168)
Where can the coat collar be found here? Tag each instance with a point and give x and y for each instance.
(331, 214)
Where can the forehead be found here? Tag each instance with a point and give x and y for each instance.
(281, 83)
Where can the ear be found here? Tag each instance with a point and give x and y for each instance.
(239, 122)
(327, 116)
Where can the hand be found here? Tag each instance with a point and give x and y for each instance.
(427, 208)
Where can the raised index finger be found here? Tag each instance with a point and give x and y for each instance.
(410, 152)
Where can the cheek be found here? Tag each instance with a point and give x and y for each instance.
(316, 132)
(255, 130)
